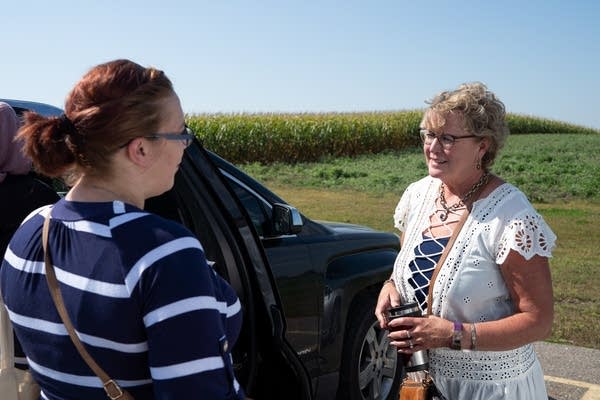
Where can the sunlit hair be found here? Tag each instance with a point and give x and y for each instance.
(111, 104)
(483, 114)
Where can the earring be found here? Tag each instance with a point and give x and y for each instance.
(478, 166)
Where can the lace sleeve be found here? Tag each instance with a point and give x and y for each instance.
(402, 209)
(528, 234)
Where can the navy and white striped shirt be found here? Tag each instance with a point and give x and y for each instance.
(141, 296)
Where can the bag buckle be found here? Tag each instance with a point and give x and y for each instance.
(112, 389)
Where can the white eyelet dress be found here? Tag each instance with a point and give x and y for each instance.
(470, 287)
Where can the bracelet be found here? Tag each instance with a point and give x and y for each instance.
(473, 336)
(388, 281)
(457, 336)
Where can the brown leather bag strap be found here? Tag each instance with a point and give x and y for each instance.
(440, 262)
(112, 389)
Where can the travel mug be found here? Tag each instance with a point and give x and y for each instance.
(418, 361)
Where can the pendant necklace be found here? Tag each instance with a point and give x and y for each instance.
(461, 203)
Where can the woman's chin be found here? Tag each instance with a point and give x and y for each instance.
(435, 172)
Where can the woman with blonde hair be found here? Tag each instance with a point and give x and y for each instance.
(492, 296)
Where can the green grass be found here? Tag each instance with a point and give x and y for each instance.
(560, 174)
(547, 167)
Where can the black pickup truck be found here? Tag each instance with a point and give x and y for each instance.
(308, 288)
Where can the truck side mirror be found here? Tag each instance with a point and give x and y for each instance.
(286, 219)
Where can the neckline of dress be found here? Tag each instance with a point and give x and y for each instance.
(480, 199)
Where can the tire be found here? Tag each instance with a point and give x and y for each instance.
(370, 367)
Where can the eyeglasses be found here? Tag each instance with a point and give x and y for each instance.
(186, 135)
(445, 139)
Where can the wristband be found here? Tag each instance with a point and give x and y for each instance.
(473, 337)
(456, 336)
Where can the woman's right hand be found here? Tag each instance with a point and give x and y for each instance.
(388, 298)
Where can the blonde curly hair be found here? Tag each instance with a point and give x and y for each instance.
(484, 115)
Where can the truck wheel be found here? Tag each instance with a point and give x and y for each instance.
(370, 367)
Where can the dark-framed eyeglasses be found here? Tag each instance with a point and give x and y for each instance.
(186, 136)
(445, 139)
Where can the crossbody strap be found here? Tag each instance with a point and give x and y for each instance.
(113, 390)
(440, 262)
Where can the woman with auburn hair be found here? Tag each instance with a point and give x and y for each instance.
(491, 297)
(138, 289)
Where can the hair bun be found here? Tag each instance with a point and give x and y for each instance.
(66, 125)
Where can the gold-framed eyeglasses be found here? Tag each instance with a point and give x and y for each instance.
(445, 139)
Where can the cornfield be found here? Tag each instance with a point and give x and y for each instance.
(291, 138)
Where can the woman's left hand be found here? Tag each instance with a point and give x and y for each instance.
(410, 334)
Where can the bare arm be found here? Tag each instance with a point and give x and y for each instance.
(530, 286)
(388, 297)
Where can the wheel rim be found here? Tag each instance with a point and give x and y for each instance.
(377, 364)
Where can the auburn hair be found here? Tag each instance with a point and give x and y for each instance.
(111, 104)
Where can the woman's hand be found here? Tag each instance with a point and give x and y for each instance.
(388, 298)
(410, 334)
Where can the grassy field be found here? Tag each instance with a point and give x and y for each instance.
(560, 173)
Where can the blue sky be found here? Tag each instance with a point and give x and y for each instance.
(541, 57)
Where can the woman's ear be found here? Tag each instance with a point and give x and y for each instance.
(484, 145)
(138, 152)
